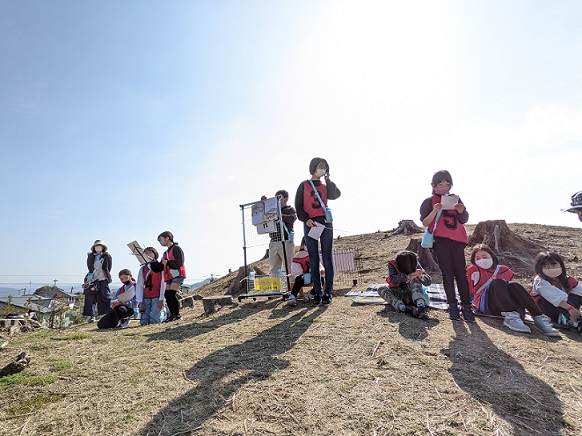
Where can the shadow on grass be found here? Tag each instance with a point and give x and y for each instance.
(408, 327)
(184, 330)
(220, 375)
(492, 376)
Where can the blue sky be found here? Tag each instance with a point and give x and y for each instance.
(119, 120)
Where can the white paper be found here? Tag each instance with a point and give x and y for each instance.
(316, 231)
(257, 211)
(266, 227)
(127, 295)
(271, 206)
(449, 200)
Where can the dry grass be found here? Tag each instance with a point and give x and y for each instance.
(262, 368)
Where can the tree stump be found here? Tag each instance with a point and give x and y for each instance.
(209, 303)
(425, 256)
(512, 250)
(238, 284)
(17, 366)
(406, 227)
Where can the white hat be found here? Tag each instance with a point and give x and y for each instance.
(99, 242)
(576, 205)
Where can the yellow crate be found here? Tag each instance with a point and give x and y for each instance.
(267, 284)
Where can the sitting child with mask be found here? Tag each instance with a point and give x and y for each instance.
(123, 305)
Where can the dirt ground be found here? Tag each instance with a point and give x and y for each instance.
(259, 367)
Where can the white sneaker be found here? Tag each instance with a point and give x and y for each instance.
(514, 322)
(292, 300)
(543, 324)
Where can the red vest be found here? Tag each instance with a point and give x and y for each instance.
(485, 274)
(169, 255)
(390, 284)
(304, 262)
(448, 225)
(152, 283)
(311, 204)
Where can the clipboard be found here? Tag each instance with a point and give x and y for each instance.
(316, 231)
(127, 295)
(137, 251)
(449, 200)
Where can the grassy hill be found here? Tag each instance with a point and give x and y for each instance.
(260, 367)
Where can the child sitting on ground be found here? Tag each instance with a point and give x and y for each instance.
(122, 307)
(495, 293)
(406, 278)
(301, 276)
(558, 295)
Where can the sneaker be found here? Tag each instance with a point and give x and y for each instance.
(514, 322)
(401, 307)
(124, 323)
(420, 313)
(454, 313)
(91, 319)
(177, 317)
(316, 299)
(468, 313)
(326, 299)
(291, 301)
(307, 298)
(578, 324)
(543, 324)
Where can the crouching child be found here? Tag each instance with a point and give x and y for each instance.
(123, 305)
(406, 277)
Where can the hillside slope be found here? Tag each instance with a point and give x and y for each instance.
(259, 367)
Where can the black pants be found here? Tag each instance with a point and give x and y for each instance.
(172, 301)
(504, 296)
(299, 283)
(97, 301)
(553, 312)
(113, 318)
(451, 258)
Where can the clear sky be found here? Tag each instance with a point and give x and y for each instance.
(119, 120)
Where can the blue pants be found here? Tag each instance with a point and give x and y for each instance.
(326, 241)
(151, 314)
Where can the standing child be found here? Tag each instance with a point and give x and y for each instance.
(311, 206)
(494, 293)
(406, 278)
(174, 273)
(558, 294)
(150, 289)
(122, 305)
(450, 239)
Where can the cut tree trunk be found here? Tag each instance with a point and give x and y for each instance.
(512, 250)
(406, 227)
(209, 303)
(238, 285)
(17, 366)
(425, 256)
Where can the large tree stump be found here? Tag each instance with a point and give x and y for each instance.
(209, 303)
(238, 285)
(425, 256)
(17, 366)
(512, 250)
(406, 227)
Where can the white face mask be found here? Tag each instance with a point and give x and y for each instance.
(98, 249)
(149, 257)
(552, 272)
(320, 172)
(484, 263)
(163, 243)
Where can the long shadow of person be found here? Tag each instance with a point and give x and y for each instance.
(492, 376)
(221, 374)
(187, 330)
(408, 327)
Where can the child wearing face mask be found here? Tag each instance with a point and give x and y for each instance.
(122, 307)
(150, 289)
(558, 294)
(310, 203)
(174, 273)
(301, 276)
(450, 239)
(494, 293)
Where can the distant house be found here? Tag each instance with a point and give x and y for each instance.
(21, 304)
(54, 292)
